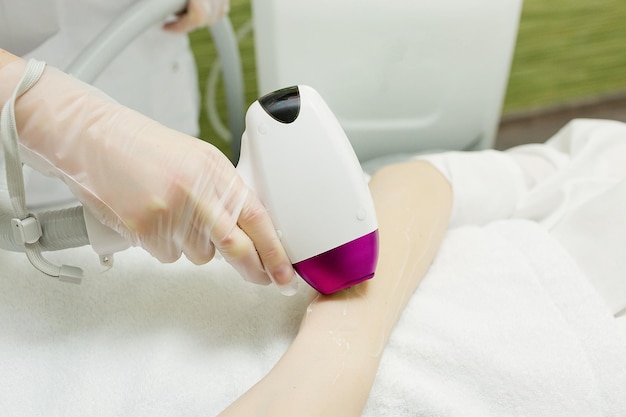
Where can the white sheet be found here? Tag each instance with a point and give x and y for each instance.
(505, 323)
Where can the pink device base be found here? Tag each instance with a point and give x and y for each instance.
(343, 266)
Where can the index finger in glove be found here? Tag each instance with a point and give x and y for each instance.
(258, 234)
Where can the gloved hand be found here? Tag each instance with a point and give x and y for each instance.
(198, 13)
(160, 189)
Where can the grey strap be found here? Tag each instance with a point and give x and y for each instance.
(26, 226)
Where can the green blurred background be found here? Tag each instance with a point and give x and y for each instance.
(567, 50)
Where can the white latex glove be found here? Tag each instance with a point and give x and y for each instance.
(198, 13)
(160, 189)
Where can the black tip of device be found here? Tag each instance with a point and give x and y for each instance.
(283, 105)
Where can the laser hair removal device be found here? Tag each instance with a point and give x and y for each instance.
(297, 158)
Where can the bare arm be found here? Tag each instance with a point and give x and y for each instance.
(331, 365)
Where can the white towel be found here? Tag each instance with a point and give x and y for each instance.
(503, 325)
(143, 339)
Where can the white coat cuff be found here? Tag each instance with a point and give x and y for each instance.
(486, 185)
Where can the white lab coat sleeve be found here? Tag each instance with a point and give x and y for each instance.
(488, 185)
(535, 181)
(591, 154)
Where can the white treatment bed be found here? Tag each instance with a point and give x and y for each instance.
(510, 320)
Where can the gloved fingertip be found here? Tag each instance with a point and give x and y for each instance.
(257, 278)
(252, 273)
(288, 288)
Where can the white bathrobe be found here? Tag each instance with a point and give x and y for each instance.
(513, 318)
(155, 74)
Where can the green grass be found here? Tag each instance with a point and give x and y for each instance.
(566, 50)
(205, 55)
